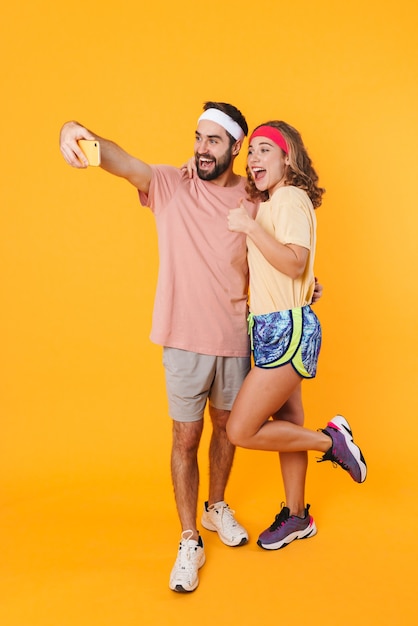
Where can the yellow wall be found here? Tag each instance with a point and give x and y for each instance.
(81, 386)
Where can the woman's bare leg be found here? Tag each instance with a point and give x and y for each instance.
(293, 465)
(262, 394)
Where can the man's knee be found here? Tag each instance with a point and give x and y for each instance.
(219, 417)
(186, 435)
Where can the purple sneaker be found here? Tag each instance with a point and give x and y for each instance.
(286, 528)
(344, 451)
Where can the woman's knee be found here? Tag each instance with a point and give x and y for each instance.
(234, 433)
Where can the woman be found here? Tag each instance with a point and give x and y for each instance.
(285, 332)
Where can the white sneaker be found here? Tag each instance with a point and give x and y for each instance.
(221, 518)
(191, 556)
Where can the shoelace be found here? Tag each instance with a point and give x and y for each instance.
(340, 462)
(330, 456)
(281, 518)
(186, 554)
(227, 516)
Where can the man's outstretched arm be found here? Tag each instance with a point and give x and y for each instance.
(113, 158)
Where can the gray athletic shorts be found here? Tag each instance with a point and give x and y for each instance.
(192, 379)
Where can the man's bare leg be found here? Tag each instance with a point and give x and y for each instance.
(217, 515)
(185, 471)
(221, 455)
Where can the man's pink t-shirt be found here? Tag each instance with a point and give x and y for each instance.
(201, 298)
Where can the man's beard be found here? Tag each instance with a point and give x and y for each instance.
(220, 166)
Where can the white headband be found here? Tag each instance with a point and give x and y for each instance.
(215, 115)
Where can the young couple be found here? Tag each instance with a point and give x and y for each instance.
(204, 225)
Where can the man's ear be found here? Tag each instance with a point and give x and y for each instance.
(237, 147)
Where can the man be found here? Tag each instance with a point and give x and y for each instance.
(199, 312)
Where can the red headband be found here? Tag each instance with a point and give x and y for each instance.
(271, 133)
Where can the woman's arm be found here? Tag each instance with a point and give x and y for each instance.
(290, 259)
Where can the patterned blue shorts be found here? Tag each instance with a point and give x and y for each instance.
(292, 336)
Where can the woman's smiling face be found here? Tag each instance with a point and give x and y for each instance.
(267, 163)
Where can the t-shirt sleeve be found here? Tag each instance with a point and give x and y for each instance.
(164, 181)
(292, 224)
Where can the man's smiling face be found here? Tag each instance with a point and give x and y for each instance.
(212, 150)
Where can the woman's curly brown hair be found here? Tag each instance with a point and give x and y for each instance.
(299, 173)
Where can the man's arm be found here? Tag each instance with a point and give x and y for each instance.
(317, 294)
(113, 158)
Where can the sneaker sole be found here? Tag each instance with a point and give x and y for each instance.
(305, 534)
(209, 526)
(180, 589)
(344, 427)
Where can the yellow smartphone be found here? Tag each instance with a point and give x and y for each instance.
(91, 148)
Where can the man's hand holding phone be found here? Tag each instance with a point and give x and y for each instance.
(78, 146)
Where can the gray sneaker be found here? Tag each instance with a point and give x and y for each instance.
(344, 452)
(190, 558)
(220, 518)
(286, 528)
